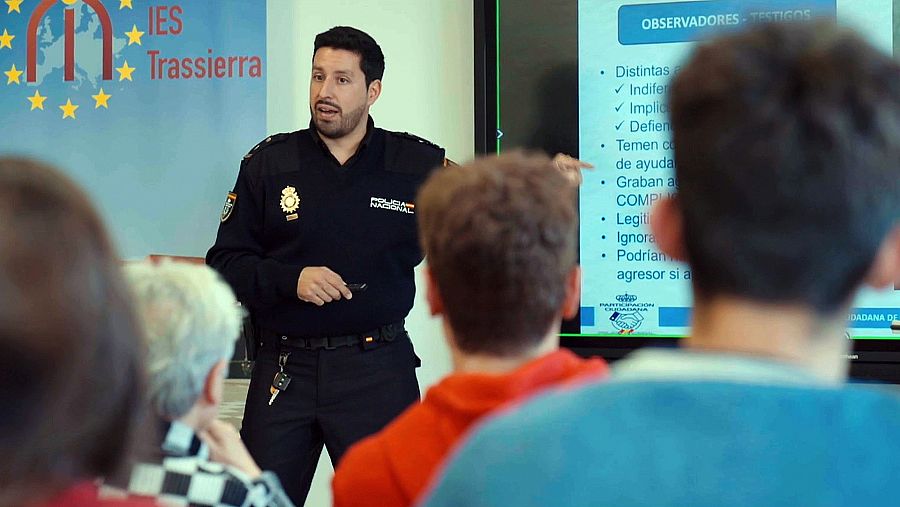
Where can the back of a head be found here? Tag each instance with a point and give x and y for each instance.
(356, 41)
(71, 380)
(499, 236)
(191, 320)
(787, 139)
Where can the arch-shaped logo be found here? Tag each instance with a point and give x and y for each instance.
(69, 68)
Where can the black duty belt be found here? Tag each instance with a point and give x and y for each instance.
(382, 334)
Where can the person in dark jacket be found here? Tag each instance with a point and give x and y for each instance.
(319, 241)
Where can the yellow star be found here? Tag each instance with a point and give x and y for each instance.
(134, 36)
(12, 75)
(68, 109)
(37, 102)
(102, 99)
(6, 39)
(14, 6)
(125, 3)
(125, 72)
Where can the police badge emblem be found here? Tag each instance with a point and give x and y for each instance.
(229, 206)
(290, 202)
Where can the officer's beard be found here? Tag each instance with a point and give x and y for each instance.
(340, 128)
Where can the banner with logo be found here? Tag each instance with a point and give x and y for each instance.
(148, 104)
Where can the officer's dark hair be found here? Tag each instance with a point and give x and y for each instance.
(371, 59)
(71, 382)
(787, 141)
(499, 234)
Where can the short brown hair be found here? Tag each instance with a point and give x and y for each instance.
(71, 378)
(787, 138)
(499, 234)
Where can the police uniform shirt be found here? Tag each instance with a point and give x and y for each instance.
(295, 206)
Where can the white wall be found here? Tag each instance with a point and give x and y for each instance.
(428, 91)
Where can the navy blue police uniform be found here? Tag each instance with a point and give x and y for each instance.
(350, 362)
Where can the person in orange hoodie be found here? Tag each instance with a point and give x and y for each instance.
(500, 237)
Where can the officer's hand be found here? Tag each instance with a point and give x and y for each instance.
(320, 285)
(570, 167)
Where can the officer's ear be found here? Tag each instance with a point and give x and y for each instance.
(374, 91)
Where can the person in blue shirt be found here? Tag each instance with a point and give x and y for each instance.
(787, 141)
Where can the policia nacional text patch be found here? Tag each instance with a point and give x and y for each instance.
(229, 206)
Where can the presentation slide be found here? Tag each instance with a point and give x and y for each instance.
(627, 53)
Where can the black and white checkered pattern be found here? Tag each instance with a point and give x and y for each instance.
(186, 478)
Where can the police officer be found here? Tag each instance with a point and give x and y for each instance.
(319, 241)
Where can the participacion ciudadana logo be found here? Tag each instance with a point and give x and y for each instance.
(35, 52)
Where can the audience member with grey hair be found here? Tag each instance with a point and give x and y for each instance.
(191, 320)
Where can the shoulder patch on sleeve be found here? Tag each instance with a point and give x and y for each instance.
(229, 206)
(273, 139)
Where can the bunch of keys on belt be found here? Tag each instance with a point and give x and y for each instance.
(282, 379)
